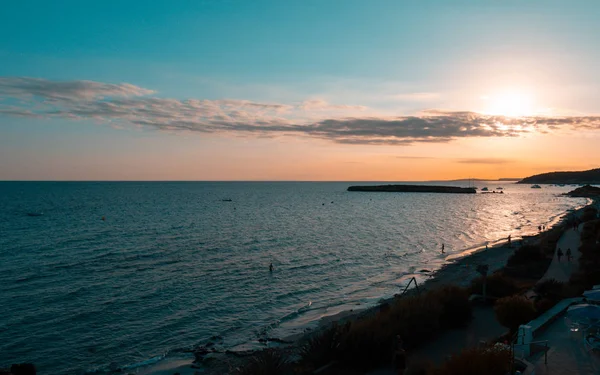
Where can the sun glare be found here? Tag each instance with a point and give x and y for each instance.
(510, 103)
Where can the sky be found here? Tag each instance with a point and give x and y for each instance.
(379, 90)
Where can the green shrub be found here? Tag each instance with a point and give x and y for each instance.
(544, 304)
(589, 261)
(524, 255)
(456, 309)
(571, 290)
(417, 319)
(549, 239)
(529, 261)
(322, 349)
(589, 213)
(418, 366)
(584, 280)
(369, 342)
(489, 361)
(513, 311)
(498, 286)
(589, 231)
(366, 345)
(549, 289)
(267, 362)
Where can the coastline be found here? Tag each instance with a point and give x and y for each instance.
(459, 269)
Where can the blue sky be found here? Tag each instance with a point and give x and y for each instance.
(378, 59)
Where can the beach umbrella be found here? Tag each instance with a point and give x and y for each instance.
(584, 311)
(592, 295)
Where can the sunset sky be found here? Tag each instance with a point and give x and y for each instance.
(297, 90)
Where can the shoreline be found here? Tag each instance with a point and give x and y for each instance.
(458, 269)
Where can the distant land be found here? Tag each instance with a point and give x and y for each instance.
(480, 179)
(591, 176)
(414, 189)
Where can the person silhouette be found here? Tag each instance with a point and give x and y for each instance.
(568, 254)
(559, 254)
(271, 267)
(443, 247)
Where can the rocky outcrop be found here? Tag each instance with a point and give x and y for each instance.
(586, 191)
(414, 189)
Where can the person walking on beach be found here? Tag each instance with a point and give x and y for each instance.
(568, 253)
(509, 240)
(399, 356)
(559, 254)
(443, 247)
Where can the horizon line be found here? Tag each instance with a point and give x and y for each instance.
(451, 180)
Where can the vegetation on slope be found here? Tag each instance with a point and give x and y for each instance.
(591, 176)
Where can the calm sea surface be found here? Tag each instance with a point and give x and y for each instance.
(173, 264)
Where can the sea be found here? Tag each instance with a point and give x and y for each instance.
(100, 275)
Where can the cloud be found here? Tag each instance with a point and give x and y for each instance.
(485, 161)
(20, 87)
(121, 105)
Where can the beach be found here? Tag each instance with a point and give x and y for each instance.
(459, 271)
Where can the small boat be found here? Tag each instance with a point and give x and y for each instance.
(35, 214)
(485, 189)
(536, 187)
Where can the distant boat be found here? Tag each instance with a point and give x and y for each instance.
(499, 188)
(34, 214)
(485, 189)
(536, 187)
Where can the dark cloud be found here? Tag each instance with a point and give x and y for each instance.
(66, 90)
(126, 104)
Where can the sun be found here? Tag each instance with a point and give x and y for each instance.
(510, 103)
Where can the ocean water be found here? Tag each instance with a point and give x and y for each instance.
(172, 264)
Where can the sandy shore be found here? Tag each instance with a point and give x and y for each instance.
(459, 270)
